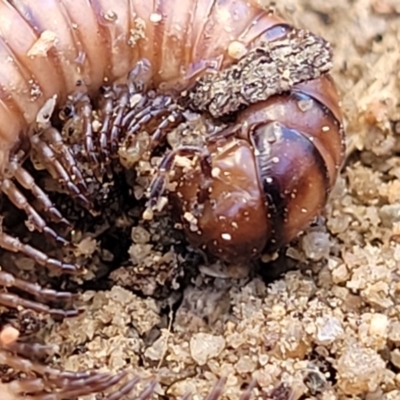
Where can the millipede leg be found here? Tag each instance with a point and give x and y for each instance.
(54, 384)
(84, 111)
(159, 106)
(248, 392)
(27, 385)
(140, 76)
(158, 185)
(32, 350)
(125, 389)
(16, 171)
(13, 244)
(8, 280)
(55, 141)
(116, 125)
(158, 118)
(25, 179)
(63, 385)
(106, 110)
(52, 374)
(140, 102)
(146, 393)
(12, 300)
(165, 126)
(216, 392)
(124, 110)
(57, 170)
(91, 385)
(95, 142)
(35, 221)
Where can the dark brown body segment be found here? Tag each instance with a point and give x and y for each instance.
(262, 196)
(225, 224)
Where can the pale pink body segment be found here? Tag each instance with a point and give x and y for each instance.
(53, 48)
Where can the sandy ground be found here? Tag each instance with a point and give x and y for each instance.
(328, 328)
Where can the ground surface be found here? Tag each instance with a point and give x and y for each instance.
(330, 328)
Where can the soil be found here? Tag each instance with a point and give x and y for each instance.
(321, 321)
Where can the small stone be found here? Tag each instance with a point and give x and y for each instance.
(389, 213)
(278, 311)
(138, 252)
(245, 365)
(157, 350)
(395, 357)
(360, 370)
(379, 325)
(316, 245)
(394, 333)
(328, 331)
(340, 274)
(373, 330)
(148, 214)
(294, 341)
(86, 247)
(140, 235)
(204, 346)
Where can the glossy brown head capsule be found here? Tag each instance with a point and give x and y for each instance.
(270, 177)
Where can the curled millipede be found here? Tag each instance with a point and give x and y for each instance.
(256, 179)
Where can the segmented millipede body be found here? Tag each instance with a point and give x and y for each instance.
(254, 183)
(292, 147)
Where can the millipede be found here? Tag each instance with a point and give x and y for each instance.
(257, 177)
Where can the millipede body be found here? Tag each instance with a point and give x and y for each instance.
(257, 177)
